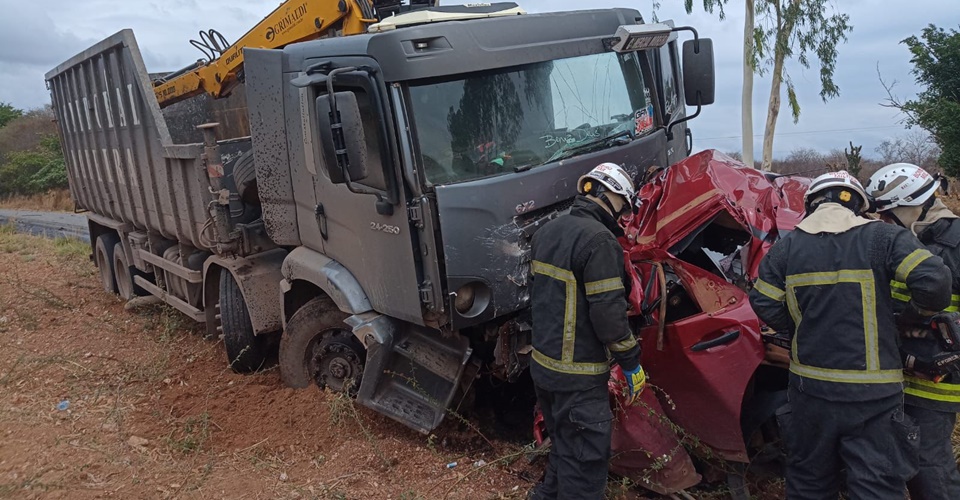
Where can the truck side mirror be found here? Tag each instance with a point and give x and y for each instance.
(344, 157)
(699, 79)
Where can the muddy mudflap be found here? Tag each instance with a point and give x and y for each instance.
(412, 374)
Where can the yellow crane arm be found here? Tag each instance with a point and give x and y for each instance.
(293, 21)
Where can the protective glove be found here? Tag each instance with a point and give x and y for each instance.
(636, 380)
(936, 367)
(947, 327)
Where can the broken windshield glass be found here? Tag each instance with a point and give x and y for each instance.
(498, 122)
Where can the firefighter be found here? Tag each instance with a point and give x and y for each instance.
(579, 307)
(827, 283)
(905, 195)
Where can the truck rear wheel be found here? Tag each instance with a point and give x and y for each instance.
(103, 253)
(246, 351)
(317, 347)
(124, 274)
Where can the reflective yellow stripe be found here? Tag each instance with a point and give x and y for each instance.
(864, 278)
(625, 345)
(769, 290)
(569, 307)
(948, 393)
(847, 376)
(570, 367)
(912, 261)
(602, 286)
(899, 291)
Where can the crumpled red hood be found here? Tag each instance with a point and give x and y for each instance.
(686, 195)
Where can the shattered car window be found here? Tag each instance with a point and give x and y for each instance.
(496, 122)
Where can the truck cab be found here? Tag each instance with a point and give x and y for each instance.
(405, 170)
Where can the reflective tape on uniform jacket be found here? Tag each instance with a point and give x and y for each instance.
(570, 367)
(566, 363)
(569, 304)
(872, 373)
(947, 393)
(899, 291)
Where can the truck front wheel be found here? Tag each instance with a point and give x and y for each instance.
(317, 347)
(246, 351)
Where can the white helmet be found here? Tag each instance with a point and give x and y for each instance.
(839, 179)
(901, 185)
(612, 176)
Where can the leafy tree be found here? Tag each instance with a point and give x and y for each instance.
(31, 160)
(800, 29)
(34, 171)
(25, 132)
(8, 113)
(936, 66)
(784, 29)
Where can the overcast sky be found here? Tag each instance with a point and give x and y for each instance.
(37, 35)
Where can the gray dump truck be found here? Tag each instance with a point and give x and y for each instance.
(366, 202)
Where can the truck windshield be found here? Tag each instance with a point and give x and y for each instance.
(508, 120)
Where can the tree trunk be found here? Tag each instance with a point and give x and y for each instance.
(785, 22)
(746, 96)
(773, 111)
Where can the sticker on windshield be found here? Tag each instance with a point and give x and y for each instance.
(643, 121)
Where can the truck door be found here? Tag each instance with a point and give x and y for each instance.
(370, 237)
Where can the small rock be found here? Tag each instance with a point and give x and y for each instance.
(137, 441)
(87, 355)
(283, 476)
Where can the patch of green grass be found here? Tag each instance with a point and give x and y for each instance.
(71, 248)
(8, 228)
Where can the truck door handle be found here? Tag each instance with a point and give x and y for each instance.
(726, 338)
(321, 214)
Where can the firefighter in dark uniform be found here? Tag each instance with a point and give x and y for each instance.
(905, 195)
(579, 308)
(827, 283)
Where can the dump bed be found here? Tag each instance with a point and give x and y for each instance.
(121, 161)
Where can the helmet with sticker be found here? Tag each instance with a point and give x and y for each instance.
(839, 187)
(901, 185)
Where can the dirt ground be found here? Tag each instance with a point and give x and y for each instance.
(99, 401)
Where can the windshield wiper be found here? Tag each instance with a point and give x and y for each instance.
(584, 147)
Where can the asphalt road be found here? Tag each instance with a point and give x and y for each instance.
(49, 224)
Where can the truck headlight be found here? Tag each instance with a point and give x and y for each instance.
(465, 298)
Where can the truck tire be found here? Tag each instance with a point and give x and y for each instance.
(246, 351)
(245, 177)
(317, 347)
(124, 274)
(103, 254)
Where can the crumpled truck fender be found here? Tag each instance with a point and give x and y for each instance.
(258, 277)
(327, 274)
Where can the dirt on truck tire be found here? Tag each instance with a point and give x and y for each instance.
(246, 351)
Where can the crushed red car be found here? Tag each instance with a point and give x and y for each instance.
(693, 250)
